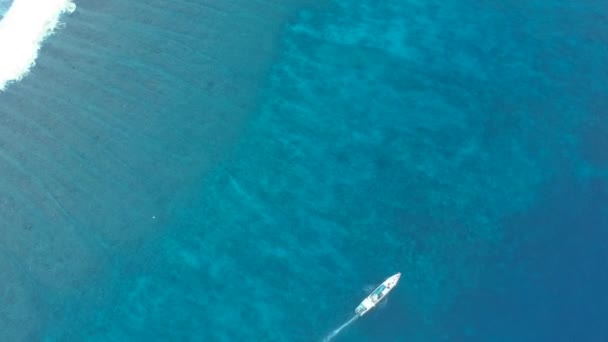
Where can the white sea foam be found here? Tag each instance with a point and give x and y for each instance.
(22, 30)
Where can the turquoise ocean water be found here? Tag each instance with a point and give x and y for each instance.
(4, 6)
(248, 170)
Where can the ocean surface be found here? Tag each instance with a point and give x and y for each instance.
(248, 170)
(4, 6)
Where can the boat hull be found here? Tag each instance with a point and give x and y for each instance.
(377, 295)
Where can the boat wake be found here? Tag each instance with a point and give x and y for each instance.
(335, 332)
(370, 302)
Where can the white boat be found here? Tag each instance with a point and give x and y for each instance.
(377, 295)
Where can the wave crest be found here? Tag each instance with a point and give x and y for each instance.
(22, 30)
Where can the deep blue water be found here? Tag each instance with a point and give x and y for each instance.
(219, 173)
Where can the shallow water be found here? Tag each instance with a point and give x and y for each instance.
(4, 6)
(188, 175)
(128, 104)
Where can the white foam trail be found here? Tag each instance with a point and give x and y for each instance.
(22, 30)
(337, 331)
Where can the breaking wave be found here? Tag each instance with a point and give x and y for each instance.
(24, 27)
